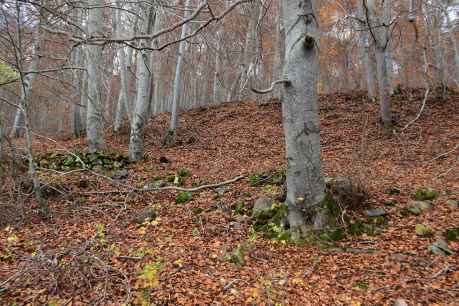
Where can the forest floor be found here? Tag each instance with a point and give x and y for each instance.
(91, 251)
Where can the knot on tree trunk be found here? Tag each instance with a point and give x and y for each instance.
(309, 42)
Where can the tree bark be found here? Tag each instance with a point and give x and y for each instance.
(122, 107)
(140, 115)
(178, 77)
(379, 27)
(305, 184)
(94, 120)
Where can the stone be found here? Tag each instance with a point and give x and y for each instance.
(400, 302)
(262, 204)
(375, 212)
(423, 231)
(394, 191)
(148, 214)
(390, 202)
(418, 207)
(120, 174)
(425, 193)
(452, 204)
(440, 247)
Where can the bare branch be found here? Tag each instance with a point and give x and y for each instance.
(270, 89)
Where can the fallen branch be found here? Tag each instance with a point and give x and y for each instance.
(194, 189)
(444, 154)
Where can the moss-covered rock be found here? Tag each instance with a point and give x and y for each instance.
(418, 207)
(425, 194)
(268, 218)
(423, 230)
(103, 160)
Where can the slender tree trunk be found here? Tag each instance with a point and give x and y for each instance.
(178, 79)
(77, 125)
(434, 25)
(380, 32)
(122, 107)
(217, 70)
(18, 124)
(305, 184)
(1, 142)
(140, 115)
(25, 82)
(279, 55)
(365, 55)
(94, 121)
(453, 40)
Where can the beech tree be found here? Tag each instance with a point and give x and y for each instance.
(140, 115)
(94, 113)
(305, 182)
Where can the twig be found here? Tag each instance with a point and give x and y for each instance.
(444, 154)
(420, 111)
(129, 258)
(132, 189)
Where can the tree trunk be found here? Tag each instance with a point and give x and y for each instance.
(94, 119)
(434, 24)
(1, 143)
(140, 115)
(279, 54)
(216, 87)
(122, 107)
(18, 124)
(305, 184)
(25, 82)
(178, 78)
(380, 32)
(453, 39)
(365, 55)
(247, 54)
(77, 126)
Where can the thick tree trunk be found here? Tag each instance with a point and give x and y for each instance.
(94, 119)
(178, 77)
(305, 184)
(140, 115)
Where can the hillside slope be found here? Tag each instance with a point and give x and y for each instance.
(203, 252)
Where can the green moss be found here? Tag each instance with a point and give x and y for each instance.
(254, 179)
(239, 208)
(269, 222)
(183, 197)
(452, 234)
(332, 235)
(184, 172)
